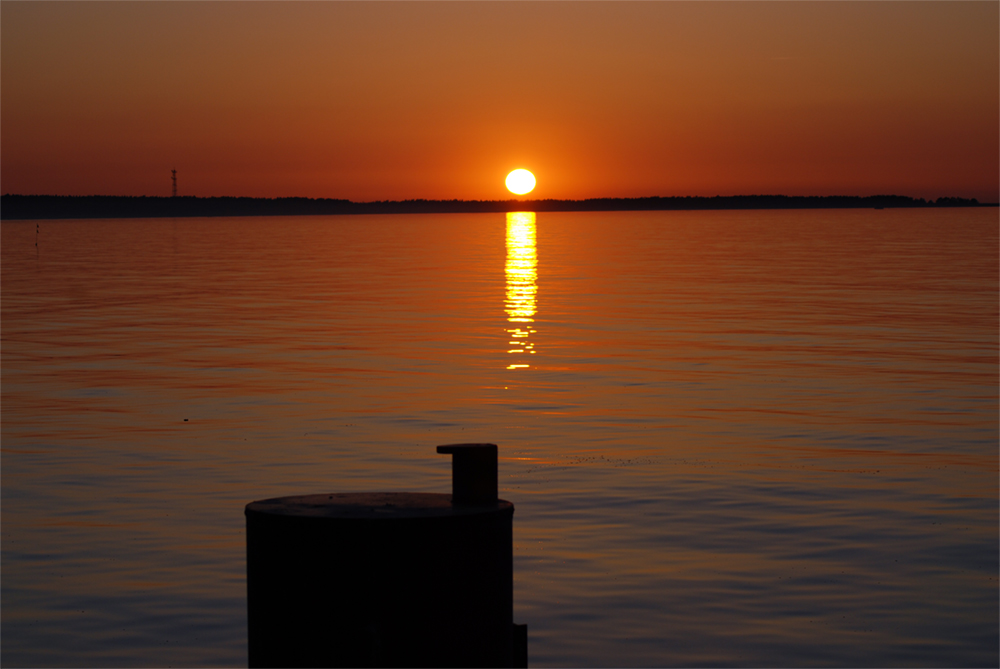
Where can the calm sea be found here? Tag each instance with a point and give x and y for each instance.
(732, 438)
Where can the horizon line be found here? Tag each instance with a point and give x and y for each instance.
(41, 207)
(507, 200)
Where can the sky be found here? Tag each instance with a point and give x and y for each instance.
(390, 101)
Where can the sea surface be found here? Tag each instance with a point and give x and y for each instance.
(732, 438)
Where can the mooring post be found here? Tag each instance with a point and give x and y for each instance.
(386, 579)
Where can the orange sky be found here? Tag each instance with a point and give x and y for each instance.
(371, 101)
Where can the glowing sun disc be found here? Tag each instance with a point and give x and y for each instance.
(520, 182)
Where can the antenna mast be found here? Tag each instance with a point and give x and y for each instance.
(173, 177)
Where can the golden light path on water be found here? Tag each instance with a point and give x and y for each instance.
(522, 285)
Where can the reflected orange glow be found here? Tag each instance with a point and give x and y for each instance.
(522, 285)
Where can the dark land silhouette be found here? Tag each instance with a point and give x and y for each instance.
(111, 206)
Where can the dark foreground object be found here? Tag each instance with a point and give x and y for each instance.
(384, 579)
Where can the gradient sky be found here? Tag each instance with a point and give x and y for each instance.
(373, 101)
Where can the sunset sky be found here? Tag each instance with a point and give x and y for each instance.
(389, 101)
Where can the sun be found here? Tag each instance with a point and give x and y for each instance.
(520, 182)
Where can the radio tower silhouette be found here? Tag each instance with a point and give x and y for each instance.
(173, 177)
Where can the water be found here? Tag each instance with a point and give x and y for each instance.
(732, 438)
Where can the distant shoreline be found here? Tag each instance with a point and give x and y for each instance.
(31, 207)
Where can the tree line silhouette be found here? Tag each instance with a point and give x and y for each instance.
(111, 206)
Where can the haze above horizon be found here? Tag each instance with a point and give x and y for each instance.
(395, 101)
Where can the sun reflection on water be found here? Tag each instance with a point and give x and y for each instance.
(522, 286)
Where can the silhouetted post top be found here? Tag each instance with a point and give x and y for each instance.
(473, 473)
(370, 506)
